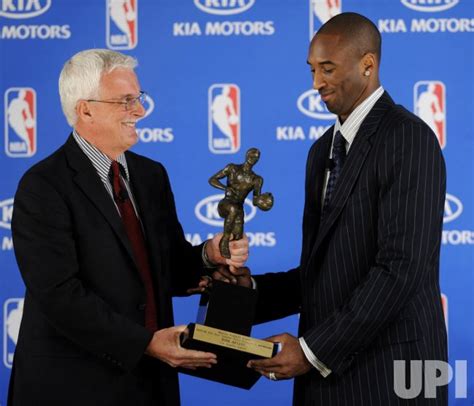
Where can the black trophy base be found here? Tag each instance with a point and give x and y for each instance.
(228, 307)
(233, 353)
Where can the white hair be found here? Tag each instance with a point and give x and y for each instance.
(80, 77)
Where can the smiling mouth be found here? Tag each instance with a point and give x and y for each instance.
(129, 124)
(325, 96)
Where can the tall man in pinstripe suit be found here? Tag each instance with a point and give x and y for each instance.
(367, 287)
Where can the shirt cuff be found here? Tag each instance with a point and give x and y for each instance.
(254, 283)
(323, 369)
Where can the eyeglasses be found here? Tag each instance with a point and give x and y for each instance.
(128, 103)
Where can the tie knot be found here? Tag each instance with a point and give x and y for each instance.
(115, 169)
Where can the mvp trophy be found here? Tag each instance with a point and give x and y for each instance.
(226, 311)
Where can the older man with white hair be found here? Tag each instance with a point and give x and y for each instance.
(101, 252)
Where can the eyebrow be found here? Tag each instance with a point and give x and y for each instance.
(129, 95)
(322, 63)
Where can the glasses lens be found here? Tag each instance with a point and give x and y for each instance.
(132, 103)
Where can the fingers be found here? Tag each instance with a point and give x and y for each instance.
(243, 276)
(279, 338)
(192, 356)
(265, 364)
(193, 359)
(239, 252)
(193, 291)
(235, 276)
(178, 329)
(239, 247)
(185, 358)
(242, 271)
(269, 366)
(165, 345)
(235, 263)
(204, 283)
(224, 275)
(196, 366)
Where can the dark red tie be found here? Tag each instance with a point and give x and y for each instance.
(137, 240)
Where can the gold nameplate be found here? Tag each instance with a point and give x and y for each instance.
(234, 341)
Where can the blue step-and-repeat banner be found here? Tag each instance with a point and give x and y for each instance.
(223, 76)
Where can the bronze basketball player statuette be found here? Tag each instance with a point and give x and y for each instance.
(241, 180)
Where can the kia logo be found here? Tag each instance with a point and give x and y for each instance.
(311, 104)
(224, 7)
(23, 8)
(429, 5)
(452, 208)
(206, 210)
(6, 212)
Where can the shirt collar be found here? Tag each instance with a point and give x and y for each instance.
(100, 161)
(352, 124)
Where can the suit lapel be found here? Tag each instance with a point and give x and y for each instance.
(89, 182)
(354, 162)
(318, 171)
(147, 205)
(140, 192)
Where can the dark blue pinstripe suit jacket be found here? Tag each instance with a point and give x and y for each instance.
(367, 286)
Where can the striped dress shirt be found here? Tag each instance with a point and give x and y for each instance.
(102, 164)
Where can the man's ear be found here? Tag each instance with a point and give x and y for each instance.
(83, 111)
(368, 64)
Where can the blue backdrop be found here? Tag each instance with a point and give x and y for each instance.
(223, 76)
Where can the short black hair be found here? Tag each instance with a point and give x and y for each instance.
(359, 30)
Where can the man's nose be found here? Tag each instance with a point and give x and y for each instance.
(318, 82)
(139, 109)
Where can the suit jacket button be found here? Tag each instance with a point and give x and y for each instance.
(141, 306)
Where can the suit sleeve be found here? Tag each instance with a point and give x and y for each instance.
(186, 260)
(48, 261)
(279, 295)
(412, 182)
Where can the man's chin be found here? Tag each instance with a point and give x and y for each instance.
(131, 138)
(331, 108)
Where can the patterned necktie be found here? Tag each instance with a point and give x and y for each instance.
(338, 158)
(135, 235)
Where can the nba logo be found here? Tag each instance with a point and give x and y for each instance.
(321, 11)
(12, 313)
(430, 106)
(224, 118)
(444, 302)
(20, 122)
(122, 22)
